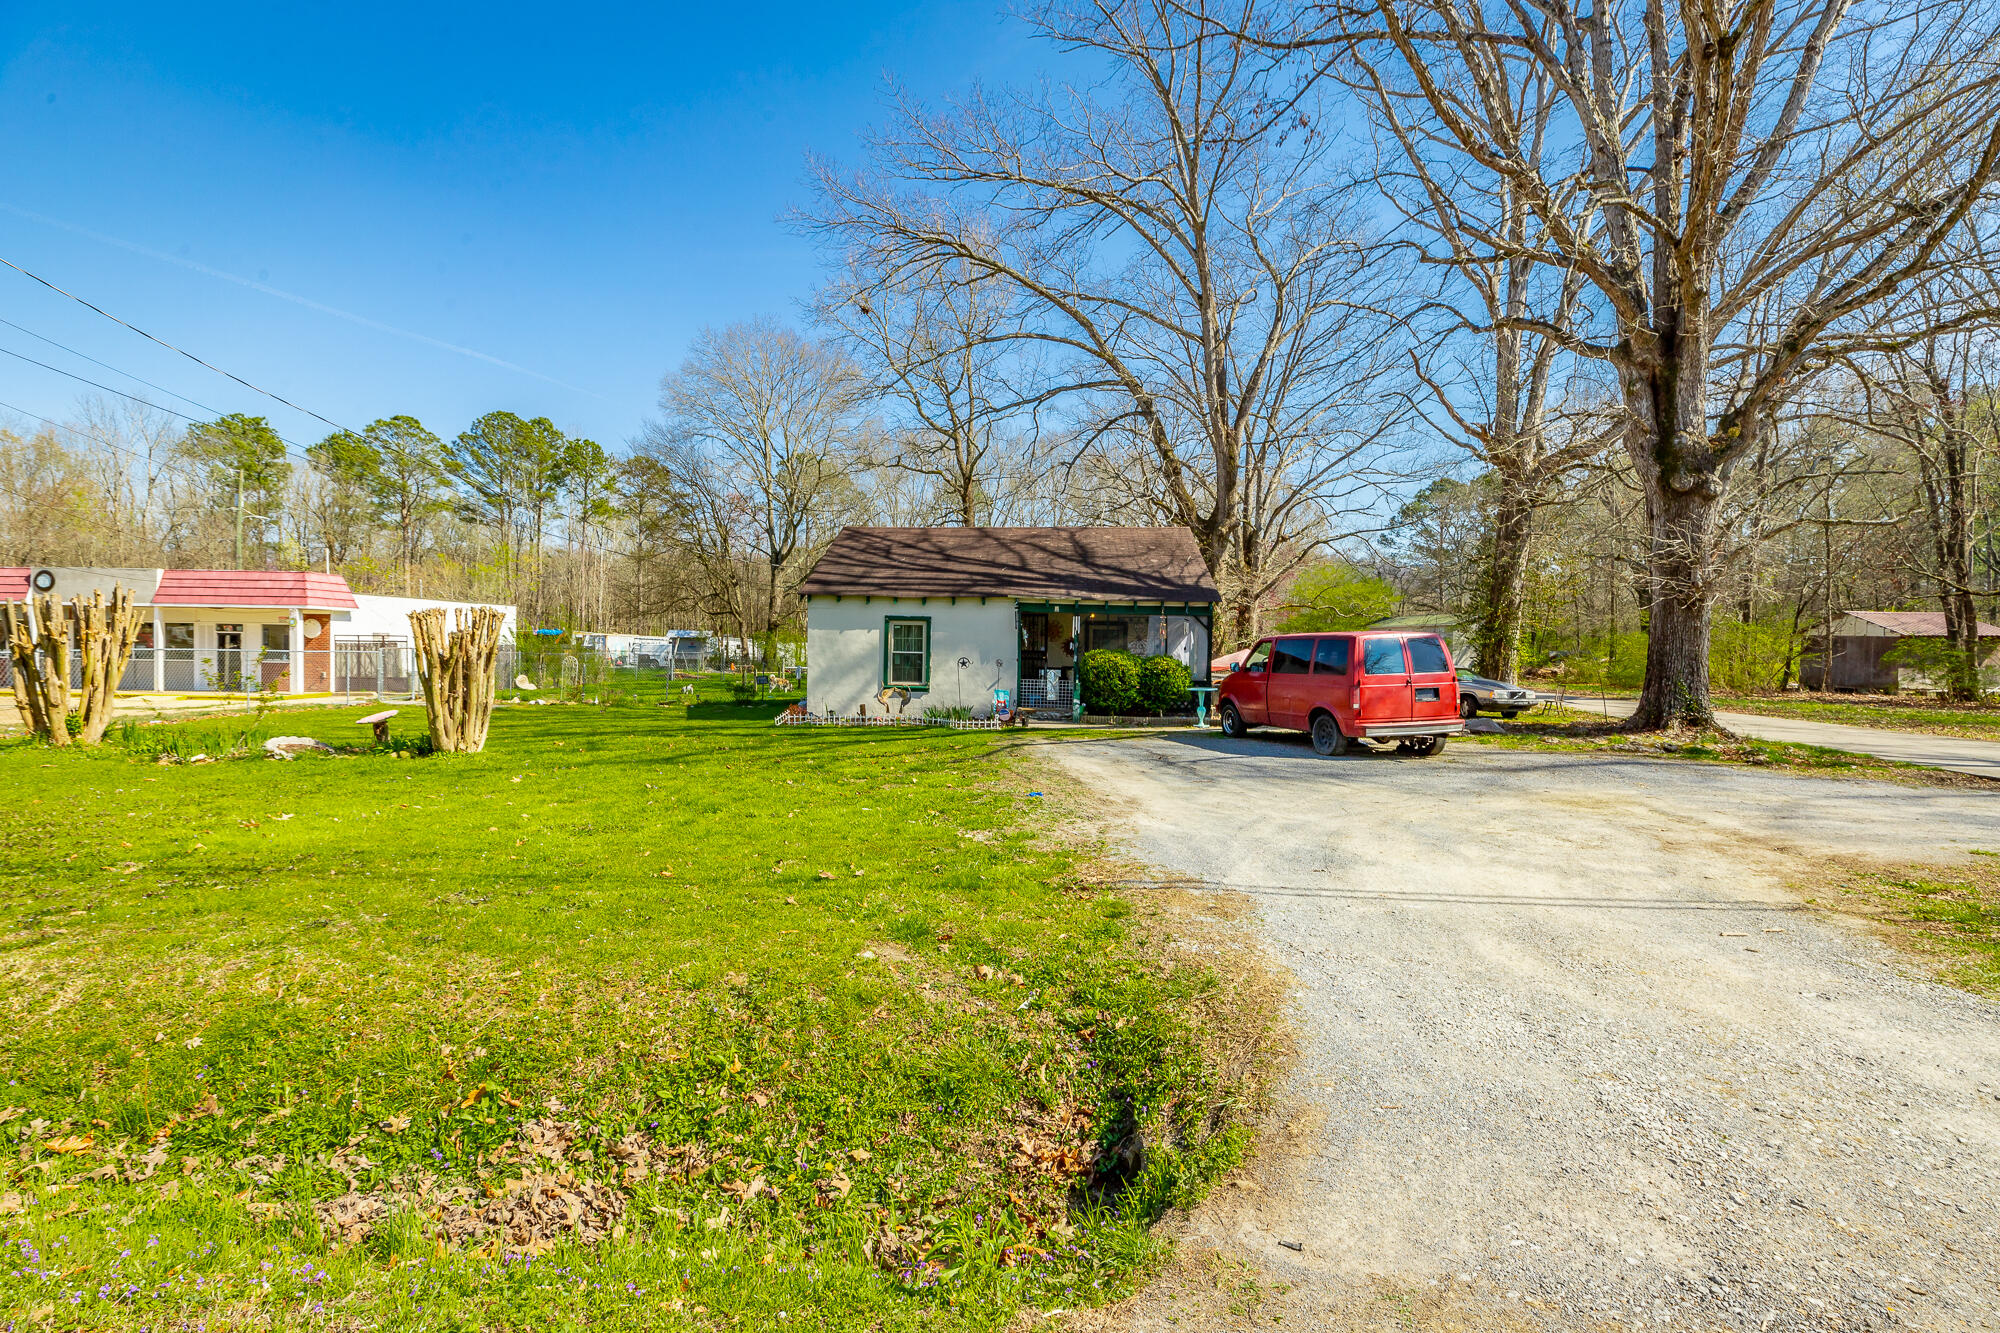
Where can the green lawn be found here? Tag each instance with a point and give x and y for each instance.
(637, 1020)
(1552, 727)
(1891, 711)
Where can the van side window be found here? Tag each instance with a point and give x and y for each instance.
(1427, 655)
(1292, 657)
(1258, 656)
(1331, 656)
(1382, 657)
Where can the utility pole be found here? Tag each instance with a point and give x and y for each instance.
(239, 518)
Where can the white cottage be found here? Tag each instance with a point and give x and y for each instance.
(953, 614)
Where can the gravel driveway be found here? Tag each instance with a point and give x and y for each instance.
(1571, 1056)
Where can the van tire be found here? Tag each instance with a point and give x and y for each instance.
(1232, 722)
(1423, 747)
(1327, 737)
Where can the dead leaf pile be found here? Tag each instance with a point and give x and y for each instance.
(536, 1211)
(350, 1217)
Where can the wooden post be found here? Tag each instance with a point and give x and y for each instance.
(456, 670)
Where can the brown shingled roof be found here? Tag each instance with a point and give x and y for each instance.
(1083, 564)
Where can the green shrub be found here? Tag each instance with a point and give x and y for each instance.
(1109, 679)
(1163, 684)
(188, 739)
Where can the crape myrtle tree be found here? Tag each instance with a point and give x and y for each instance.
(1738, 185)
(1176, 234)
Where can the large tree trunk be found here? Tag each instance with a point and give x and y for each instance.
(1951, 535)
(1961, 628)
(1682, 603)
(1497, 640)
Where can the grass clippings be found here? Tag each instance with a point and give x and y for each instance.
(644, 1018)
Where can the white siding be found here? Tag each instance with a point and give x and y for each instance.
(844, 652)
(390, 616)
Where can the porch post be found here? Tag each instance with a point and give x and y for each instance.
(159, 654)
(296, 651)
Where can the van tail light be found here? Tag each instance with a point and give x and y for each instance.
(1354, 695)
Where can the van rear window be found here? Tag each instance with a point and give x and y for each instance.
(1427, 655)
(1382, 657)
(1291, 657)
(1332, 656)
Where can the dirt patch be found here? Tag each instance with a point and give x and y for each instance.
(1944, 917)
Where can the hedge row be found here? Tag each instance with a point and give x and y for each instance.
(1114, 681)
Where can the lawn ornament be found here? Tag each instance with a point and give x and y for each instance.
(523, 683)
(900, 695)
(380, 721)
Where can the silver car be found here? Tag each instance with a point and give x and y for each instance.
(1477, 694)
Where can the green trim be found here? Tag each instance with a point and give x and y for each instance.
(1199, 610)
(888, 621)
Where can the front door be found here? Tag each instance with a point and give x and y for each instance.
(229, 656)
(1384, 683)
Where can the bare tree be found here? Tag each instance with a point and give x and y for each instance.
(1938, 400)
(1175, 233)
(944, 361)
(1740, 184)
(1493, 396)
(775, 420)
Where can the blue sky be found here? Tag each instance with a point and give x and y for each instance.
(574, 192)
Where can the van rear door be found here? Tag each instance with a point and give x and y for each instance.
(1384, 683)
(1433, 683)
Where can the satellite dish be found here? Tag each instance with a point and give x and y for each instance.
(44, 580)
(311, 628)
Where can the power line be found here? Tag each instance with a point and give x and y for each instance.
(300, 454)
(170, 347)
(80, 379)
(43, 337)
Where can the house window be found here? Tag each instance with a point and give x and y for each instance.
(906, 653)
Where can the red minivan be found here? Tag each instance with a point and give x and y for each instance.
(1375, 685)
